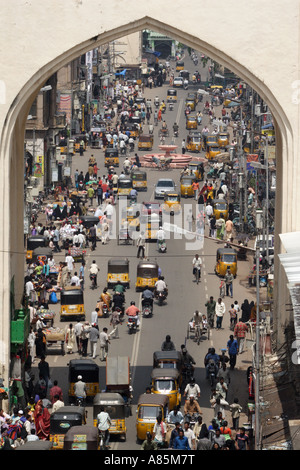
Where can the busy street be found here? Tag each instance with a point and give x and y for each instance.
(93, 242)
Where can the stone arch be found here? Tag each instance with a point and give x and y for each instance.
(12, 137)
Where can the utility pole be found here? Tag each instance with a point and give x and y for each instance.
(257, 357)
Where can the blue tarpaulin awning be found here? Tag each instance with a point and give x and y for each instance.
(150, 51)
(121, 73)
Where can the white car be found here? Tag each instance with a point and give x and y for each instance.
(178, 82)
(164, 185)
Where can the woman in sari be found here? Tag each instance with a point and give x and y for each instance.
(42, 421)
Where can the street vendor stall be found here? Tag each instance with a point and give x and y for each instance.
(55, 338)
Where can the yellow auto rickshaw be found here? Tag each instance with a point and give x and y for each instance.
(166, 382)
(220, 208)
(118, 272)
(223, 139)
(226, 257)
(115, 405)
(197, 170)
(179, 65)
(151, 223)
(78, 141)
(186, 185)
(147, 275)
(149, 406)
(62, 420)
(137, 122)
(190, 103)
(133, 129)
(191, 122)
(145, 142)
(171, 95)
(194, 142)
(72, 303)
(139, 180)
(111, 157)
(89, 372)
(171, 203)
(193, 96)
(212, 150)
(124, 186)
(33, 242)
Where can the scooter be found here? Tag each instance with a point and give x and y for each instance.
(212, 373)
(147, 308)
(161, 297)
(105, 311)
(131, 324)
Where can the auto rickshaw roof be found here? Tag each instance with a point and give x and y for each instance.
(191, 118)
(145, 138)
(111, 150)
(168, 355)
(222, 251)
(195, 164)
(219, 201)
(171, 194)
(117, 370)
(153, 399)
(83, 364)
(36, 238)
(42, 251)
(89, 218)
(125, 180)
(36, 445)
(108, 398)
(118, 262)
(188, 178)
(71, 290)
(172, 91)
(67, 411)
(159, 373)
(147, 265)
(91, 433)
(139, 172)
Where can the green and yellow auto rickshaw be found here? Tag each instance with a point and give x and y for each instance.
(124, 186)
(62, 420)
(72, 303)
(115, 405)
(139, 180)
(111, 157)
(89, 372)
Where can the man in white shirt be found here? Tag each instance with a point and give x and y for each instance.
(75, 280)
(160, 285)
(70, 262)
(104, 422)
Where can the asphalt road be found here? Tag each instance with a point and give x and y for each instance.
(184, 295)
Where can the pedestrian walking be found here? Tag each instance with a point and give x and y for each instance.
(141, 244)
(229, 282)
(104, 342)
(70, 339)
(240, 331)
(84, 336)
(236, 410)
(77, 331)
(233, 317)
(211, 311)
(220, 312)
(94, 336)
(183, 146)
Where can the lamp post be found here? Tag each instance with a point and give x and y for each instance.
(260, 166)
(257, 357)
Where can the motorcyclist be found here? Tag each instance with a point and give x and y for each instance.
(168, 345)
(156, 101)
(160, 286)
(164, 125)
(175, 128)
(133, 194)
(126, 165)
(133, 312)
(104, 422)
(94, 271)
(147, 297)
(211, 362)
(160, 236)
(197, 263)
(80, 388)
(192, 389)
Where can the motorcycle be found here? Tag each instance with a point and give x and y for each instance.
(212, 373)
(105, 311)
(187, 375)
(175, 132)
(147, 308)
(93, 278)
(162, 246)
(131, 324)
(171, 106)
(161, 296)
(131, 146)
(156, 102)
